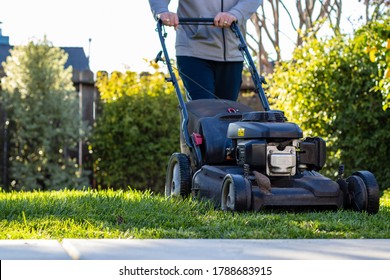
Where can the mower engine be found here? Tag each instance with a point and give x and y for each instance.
(269, 144)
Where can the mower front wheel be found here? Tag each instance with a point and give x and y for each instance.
(358, 193)
(236, 193)
(372, 188)
(178, 177)
(363, 192)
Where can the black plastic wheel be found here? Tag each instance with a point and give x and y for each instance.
(236, 193)
(372, 187)
(358, 193)
(178, 177)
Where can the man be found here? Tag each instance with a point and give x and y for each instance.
(208, 59)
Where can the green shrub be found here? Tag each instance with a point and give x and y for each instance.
(136, 132)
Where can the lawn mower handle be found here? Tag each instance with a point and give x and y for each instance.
(172, 78)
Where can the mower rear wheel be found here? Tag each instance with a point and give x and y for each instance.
(372, 188)
(178, 177)
(236, 193)
(358, 193)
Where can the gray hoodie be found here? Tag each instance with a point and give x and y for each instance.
(207, 42)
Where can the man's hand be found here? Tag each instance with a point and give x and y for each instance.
(169, 19)
(224, 19)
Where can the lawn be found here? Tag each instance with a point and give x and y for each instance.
(135, 214)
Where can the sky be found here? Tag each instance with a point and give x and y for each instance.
(122, 32)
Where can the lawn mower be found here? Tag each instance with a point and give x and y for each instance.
(244, 160)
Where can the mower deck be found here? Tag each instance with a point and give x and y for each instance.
(309, 190)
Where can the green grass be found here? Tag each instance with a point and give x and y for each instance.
(134, 214)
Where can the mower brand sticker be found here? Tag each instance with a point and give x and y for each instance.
(241, 132)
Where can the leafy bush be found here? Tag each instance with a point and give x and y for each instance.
(336, 89)
(136, 132)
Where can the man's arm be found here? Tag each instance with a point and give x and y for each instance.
(158, 7)
(160, 11)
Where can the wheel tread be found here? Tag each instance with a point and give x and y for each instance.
(372, 190)
(185, 174)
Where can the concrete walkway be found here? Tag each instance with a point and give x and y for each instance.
(196, 249)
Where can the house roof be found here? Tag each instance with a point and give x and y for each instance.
(77, 58)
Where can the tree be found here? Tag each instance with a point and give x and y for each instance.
(44, 122)
(337, 89)
(310, 18)
(375, 9)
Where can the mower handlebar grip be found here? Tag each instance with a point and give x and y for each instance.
(199, 21)
(196, 20)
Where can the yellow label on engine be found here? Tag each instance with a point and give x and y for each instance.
(241, 132)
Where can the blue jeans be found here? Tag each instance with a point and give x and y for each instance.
(206, 79)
